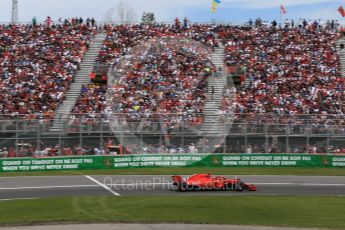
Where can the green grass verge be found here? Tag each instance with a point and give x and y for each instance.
(293, 211)
(301, 171)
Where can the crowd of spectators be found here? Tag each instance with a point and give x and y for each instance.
(290, 70)
(167, 78)
(91, 100)
(158, 81)
(89, 109)
(37, 65)
(122, 38)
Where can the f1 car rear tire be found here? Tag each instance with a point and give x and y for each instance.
(182, 187)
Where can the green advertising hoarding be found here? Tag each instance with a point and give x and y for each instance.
(54, 163)
(169, 160)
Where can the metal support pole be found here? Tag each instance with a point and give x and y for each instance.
(245, 138)
(287, 138)
(182, 136)
(141, 142)
(101, 135)
(308, 134)
(224, 148)
(81, 134)
(60, 137)
(17, 135)
(328, 143)
(266, 137)
(38, 135)
(121, 137)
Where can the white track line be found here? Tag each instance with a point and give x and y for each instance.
(103, 185)
(316, 184)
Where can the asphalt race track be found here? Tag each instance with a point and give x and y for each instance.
(54, 186)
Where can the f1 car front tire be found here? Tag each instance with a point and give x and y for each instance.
(240, 187)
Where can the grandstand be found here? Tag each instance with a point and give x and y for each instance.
(200, 88)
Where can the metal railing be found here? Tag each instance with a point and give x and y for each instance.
(317, 123)
(247, 133)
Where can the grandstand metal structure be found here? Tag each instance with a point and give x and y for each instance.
(270, 132)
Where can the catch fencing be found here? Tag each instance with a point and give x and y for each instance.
(247, 133)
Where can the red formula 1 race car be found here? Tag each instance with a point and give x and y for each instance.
(209, 182)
